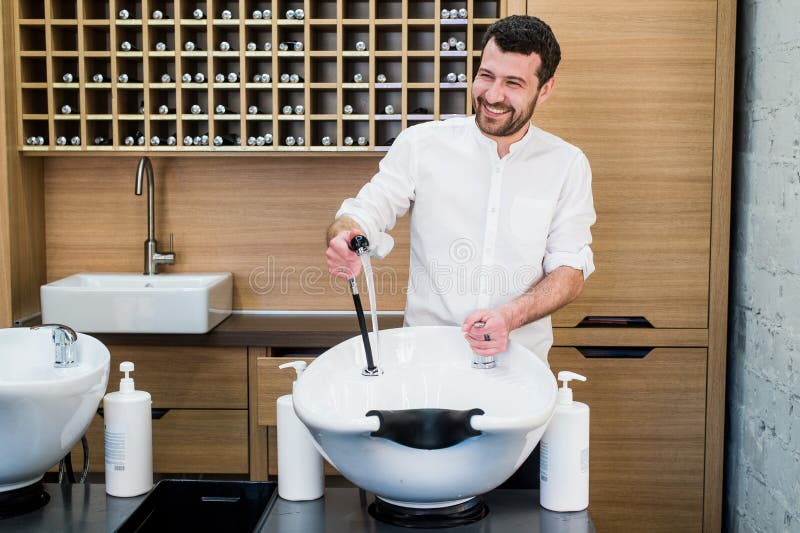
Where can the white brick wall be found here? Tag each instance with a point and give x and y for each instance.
(762, 456)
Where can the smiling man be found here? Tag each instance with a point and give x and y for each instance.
(500, 210)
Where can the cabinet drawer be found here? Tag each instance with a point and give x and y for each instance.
(185, 441)
(272, 384)
(647, 437)
(186, 377)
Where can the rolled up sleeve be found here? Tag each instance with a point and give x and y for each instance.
(570, 237)
(388, 195)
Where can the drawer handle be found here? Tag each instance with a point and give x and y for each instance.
(614, 322)
(156, 414)
(616, 352)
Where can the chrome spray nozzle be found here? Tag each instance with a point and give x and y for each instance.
(359, 244)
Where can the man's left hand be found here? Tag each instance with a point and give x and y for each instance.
(492, 337)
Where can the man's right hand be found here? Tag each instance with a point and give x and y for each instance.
(342, 261)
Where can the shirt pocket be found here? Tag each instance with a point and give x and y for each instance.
(530, 220)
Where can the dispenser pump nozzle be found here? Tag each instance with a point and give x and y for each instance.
(565, 393)
(126, 383)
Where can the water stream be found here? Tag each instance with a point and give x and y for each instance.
(373, 310)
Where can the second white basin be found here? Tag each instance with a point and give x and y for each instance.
(136, 303)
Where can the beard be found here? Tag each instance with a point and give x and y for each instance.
(503, 127)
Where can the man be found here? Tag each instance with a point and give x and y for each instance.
(500, 210)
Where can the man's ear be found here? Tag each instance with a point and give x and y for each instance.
(546, 90)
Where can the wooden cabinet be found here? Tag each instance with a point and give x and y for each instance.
(647, 434)
(200, 408)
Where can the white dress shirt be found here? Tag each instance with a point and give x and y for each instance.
(484, 229)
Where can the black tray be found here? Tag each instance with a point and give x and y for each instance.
(197, 506)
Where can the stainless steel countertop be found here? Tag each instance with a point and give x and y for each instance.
(88, 509)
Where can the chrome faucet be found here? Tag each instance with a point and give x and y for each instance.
(63, 338)
(483, 362)
(152, 257)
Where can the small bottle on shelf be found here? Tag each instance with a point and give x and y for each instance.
(462, 13)
(266, 14)
(161, 47)
(451, 77)
(257, 14)
(172, 140)
(186, 78)
(445, 14)
(124, 14)
(155, 140)
(268, 138)
(195, 109)
(219, 77)
(358, 78)
(361, 46)
(295, 78)
(126, 46)
(380, 78)
(301, 141)
(102, 141)
(226, 14)
(252, 110)
(75, 140)
(289, 141)
(326, 141)
(66, 109)
(454, 13)
(198, 14)
(61, 140)
(233, 77)
(461, 46)
(221, 109)
(299, 110)
(348, 109)
(69, 78)
(189, 46)
(389, 109)
(451, 42)
(287, 110)
(267, 46)
(361, 141)
(227, 139)
(199, 78)
(284, 78)
(224, 46)
(462, 78)
(290, 14)
(299, 14)
(188, 140)
(166, 110)
(445, 46)
(158, 15)
(98, 78)
(348, 141)
(166, 78)
(252, 47)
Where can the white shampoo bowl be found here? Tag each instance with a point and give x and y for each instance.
(425, 368)
(44, 410)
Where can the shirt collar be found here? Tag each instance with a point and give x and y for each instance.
(486, 141)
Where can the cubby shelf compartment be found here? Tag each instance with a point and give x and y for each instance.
(357, 53)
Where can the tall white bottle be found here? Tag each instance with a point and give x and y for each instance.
(300, 470)
(564, 453)
(128, 438)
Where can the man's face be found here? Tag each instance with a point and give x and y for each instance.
(505, 91)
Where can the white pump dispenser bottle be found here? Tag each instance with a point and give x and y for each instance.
(128, 438)
(564, 452)
(300, 469)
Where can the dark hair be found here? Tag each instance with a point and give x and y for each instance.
(523, 34)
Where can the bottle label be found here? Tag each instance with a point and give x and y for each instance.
(544, 460)
(584, 460)
(115, 451)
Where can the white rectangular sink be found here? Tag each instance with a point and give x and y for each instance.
(137, 303)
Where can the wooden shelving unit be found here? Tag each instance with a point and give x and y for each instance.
(402, 40)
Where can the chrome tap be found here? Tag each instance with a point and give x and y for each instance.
(152, 257)
(63, 338)
(483, 362)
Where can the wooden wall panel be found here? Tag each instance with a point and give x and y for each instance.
(22, 256)
(264, 219)
(635, 90)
